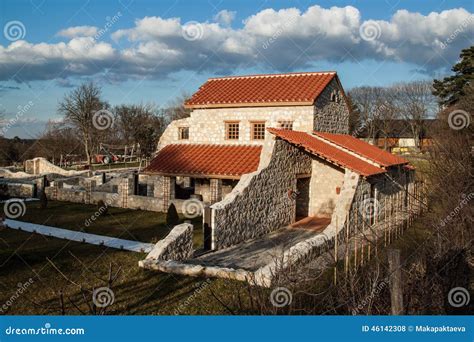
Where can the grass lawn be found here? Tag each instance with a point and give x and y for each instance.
(136, 291)
(137, 225)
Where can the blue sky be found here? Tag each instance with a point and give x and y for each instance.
(150, 51)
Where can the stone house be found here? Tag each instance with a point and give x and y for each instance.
(268, 151)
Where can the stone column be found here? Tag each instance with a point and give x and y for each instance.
(168, 193)
(125, 189)
(216, 190)
(90, 184)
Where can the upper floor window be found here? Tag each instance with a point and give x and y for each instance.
(285, 124)
(183, 133)
(335, 97)
(232, 130)
(258, 130)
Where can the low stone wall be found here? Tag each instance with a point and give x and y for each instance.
(145, 203)
(40, 165)
(260, 203)
(21, 190)
(177, 245)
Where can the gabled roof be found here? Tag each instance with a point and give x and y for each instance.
(297, 89)
(225, 161)
(363, 149)
(326, 151)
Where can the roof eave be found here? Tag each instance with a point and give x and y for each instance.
(252, 104)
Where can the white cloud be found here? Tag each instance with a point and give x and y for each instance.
(78, 31)
(280, 40)
(225, 17)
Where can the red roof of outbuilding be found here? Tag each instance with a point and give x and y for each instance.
(363, 149)
(327, 151)
(261, 90)
(205, 160)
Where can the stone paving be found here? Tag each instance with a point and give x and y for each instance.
(254, 254)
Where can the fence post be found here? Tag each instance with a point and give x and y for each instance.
(395, 276)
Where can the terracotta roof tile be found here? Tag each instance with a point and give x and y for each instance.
(327, 151)
(276, 90)
(205, 160)
(363, 148)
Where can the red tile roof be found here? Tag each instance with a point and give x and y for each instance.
(205, 160)
(363, 149)
(326, 151)
(261, 90)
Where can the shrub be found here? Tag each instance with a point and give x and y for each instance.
(172, 218)
(43, 200)
(102, 208)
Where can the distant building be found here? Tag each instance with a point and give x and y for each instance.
(396, 135)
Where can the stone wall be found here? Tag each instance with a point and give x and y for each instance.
(177, 245)
(310, 248)
(40, 165)
(207, 126)
(21, 190)
(325, 179)
(377, 196)
(331, 116)
(260, 203)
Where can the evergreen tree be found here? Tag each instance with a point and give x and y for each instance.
(452, 88)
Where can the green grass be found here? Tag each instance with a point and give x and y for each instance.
(25, 255)
(137, 225)
(137, 291)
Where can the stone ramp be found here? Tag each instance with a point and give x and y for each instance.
(240, 262)
(256, 253)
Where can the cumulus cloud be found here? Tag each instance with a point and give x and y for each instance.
(78, 31)
(279, 40)
(225, 17)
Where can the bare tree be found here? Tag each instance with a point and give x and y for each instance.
(78, 108)
(369, 101)
(141, 124)
(416, 103)
(175, 109)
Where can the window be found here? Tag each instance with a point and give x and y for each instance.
(232, 130)
(335, 97)
(285, 124)
(258, 130)
(183, 133)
